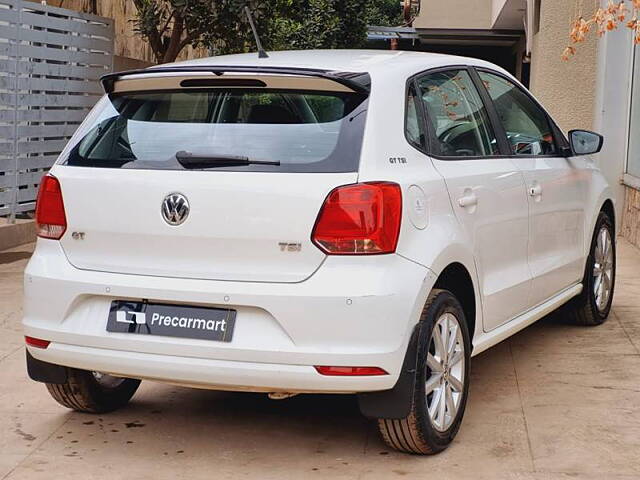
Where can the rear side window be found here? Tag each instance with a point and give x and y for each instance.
(458, 119)
(302, 131)
(527, 125)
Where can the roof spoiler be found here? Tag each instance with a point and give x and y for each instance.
(358, 82)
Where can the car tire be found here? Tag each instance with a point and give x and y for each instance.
(441, 381)
(592, 306)
(92, 392)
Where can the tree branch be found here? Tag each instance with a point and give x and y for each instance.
(153, 35)
(173, 50)
(166, 25)
(187, 40)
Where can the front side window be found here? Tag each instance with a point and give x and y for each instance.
(526, 124)
(271, 130)
(457, 116)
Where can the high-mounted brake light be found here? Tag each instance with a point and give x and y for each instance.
(360, 219)
(36, 342)
(350, 371)
(51, 221)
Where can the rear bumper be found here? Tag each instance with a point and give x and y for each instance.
(351, 312)
(206, 373)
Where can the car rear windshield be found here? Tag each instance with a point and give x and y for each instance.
(270, 130)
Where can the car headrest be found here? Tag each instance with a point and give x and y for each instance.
(270, 114)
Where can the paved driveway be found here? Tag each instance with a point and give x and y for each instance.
(553, 402)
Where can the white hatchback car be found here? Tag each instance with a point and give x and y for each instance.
(319, 221)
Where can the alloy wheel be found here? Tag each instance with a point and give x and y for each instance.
(603, 269)
(446, 372)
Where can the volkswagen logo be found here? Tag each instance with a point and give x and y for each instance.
(175, 209)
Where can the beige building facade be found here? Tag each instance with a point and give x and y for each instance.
(455, 14)
(567, 89)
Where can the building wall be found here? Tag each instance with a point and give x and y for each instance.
(496, 8)
(567, 89)
(455, 14)
(631, 216)
(612, 109)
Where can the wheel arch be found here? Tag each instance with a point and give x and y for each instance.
(610, 210)
(457, 279)
(600, 199)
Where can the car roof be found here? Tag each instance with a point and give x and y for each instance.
(378, 63)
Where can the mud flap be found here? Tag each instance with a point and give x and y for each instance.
(45, 372)
(394, 403)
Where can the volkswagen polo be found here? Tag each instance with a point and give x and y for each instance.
(345, 222)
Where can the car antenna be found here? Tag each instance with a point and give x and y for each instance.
(261, 51)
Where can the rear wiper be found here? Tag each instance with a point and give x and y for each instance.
(189, 160)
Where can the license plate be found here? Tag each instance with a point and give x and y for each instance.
(215, 324)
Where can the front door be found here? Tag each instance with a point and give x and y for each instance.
(556, 189)
(487, 191)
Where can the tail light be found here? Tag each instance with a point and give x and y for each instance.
(360, 219)
(51, 221)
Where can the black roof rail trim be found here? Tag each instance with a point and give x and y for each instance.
(348, 79)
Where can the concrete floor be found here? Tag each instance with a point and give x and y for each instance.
(553, 402)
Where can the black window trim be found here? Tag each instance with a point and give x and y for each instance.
(560, 140)
(498, 128)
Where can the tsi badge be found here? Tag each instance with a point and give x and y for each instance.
(290, 247)
(134, 318)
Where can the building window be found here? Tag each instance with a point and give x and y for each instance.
(633, 161)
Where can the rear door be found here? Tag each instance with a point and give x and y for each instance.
(556, 187)
(217, 183)
(487, 191)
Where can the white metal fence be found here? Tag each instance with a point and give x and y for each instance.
(50, 62)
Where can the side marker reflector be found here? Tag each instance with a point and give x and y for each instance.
(350, 371)
(37, 342)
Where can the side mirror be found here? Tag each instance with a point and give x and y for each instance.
(584, 142)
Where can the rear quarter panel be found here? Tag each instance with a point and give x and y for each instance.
(430, 233)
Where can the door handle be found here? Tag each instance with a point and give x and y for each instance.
(468, 200)
(535, 190)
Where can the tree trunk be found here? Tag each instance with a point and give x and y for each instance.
(175, 41)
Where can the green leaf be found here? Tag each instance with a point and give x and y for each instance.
(221, 25)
